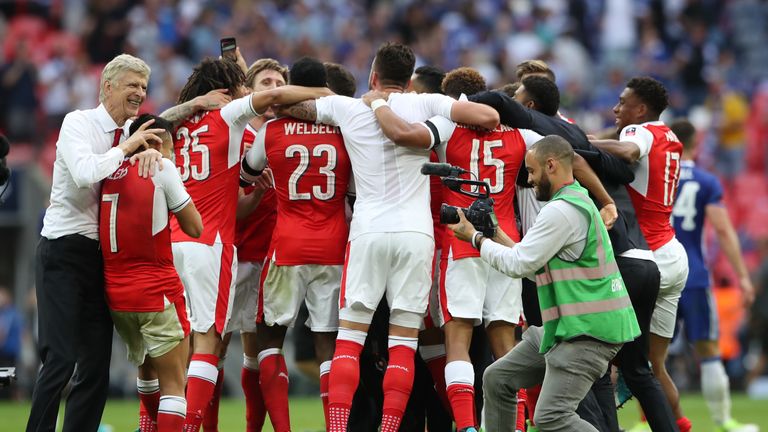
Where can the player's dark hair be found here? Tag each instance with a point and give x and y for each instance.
(394, 64)
(543, 93)
(463, 80)
(651, 92)
(211, 74)
(508, 89)
(160, 123)
(430, 77)
(685, 132)
(340, 80)
(539, 67)
(555, 147)
(307, 72)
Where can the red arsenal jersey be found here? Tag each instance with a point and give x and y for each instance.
(254, 233)
(312, 172)
(435, 202)
(208, 148)
(494, 157)
(656, 176)
(136, 238)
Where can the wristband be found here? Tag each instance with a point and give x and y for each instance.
(476, 239)
(378, 103)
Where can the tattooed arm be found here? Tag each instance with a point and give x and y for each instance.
(306, 110)
(212, 100)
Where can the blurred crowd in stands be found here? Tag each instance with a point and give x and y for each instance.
(711, 54)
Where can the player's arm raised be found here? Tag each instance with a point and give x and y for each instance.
(212, 100)
(627, 151)
(475, 114)
(287, 95)
(729, 240)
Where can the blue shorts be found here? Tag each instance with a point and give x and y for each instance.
(697, 311)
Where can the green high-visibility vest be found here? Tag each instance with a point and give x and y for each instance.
(586, 297)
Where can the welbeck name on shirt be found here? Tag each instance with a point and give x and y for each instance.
(302, 128)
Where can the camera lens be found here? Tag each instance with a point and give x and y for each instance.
(448, 214)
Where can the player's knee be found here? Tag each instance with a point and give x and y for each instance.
(494, 382)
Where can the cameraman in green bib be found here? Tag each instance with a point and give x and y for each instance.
(585, 307)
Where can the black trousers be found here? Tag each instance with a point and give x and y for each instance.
(641, 277)
(75, 330)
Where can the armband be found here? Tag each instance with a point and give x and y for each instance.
(476, 237)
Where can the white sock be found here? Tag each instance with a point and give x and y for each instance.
(459, 372)
(174, 405)
(716, 390)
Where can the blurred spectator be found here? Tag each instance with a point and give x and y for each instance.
(56, 76)
(18, 79)
(759, 325)
(10, 333)
(730, 111)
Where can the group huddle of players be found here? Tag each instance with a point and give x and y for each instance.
(260, 227)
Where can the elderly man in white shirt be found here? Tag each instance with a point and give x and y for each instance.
(75, 328)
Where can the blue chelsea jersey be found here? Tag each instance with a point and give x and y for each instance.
(696, 191)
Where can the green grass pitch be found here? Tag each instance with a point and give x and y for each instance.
(307, 414)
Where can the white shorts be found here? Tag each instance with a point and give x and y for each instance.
(208, 274)
(673, 266)
(472, 289)
(396, 264)
(285, 288)
(246, 299)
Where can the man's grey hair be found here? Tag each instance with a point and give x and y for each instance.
(120, 64)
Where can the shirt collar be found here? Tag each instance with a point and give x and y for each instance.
(104, 120)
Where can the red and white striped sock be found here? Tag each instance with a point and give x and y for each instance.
(434, 357)
(211, 419)
(201, 380)
(521, 397)
(273, 380)
(325, 374)
(149, 398)
(171, 414)
(255, 410)
(460, 379)
(398, 381)
(344, 377)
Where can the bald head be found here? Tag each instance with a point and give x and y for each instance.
(553, 147)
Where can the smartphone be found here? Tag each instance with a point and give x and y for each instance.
(228, 46)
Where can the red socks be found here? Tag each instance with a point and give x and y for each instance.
(460, 379)
(255, 411)
(325, 374)
(398, 381)
(171, 414)
(521, 400)
(211, 419)
(531, 398)
(273, 380)
(149, 398)
(344, 377)
(684, 424)
(434, 357)
(201, 380)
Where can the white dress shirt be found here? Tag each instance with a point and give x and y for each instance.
(560, 229)
(84, 157)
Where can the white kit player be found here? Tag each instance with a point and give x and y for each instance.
(391, 239)
(655, 152)
(208, 149)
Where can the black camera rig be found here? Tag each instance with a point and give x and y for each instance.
(480, 213)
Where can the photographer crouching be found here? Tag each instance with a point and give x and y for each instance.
(585, 308)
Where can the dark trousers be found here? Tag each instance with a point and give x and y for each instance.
(641, 277)
(75, 329)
